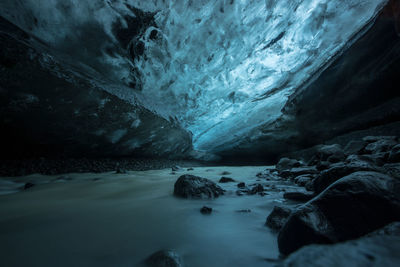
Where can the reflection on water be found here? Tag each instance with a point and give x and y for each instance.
(118, 219)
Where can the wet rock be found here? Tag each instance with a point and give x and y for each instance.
(325, 151)
(336, 157)
(382, 145)
(392, 169)
(379, 159)
(349, 208)
(28, 185)
(206, 210)
(268, 175)
(302, 180)
(176, 168)
(323, 165)
(286, 163)
(190, 186)
(372, 139)
(225, 173)
(298, 196)
(226, 180)
(241, 185)
(354, 147)
(394, 155)
(278, 217)
(339, 170)
(190, 169)
(164, 258)
(309, 186)
(258, 188)
(379, 249)
(294, 172)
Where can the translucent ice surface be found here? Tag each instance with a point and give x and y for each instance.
(223, 68)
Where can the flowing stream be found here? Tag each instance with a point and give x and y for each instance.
(113, 219)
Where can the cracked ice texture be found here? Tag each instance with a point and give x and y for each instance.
(222, 68)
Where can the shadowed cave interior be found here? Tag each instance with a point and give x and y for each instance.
(200, 133)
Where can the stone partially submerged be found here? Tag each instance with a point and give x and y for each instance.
(190, 186)
(164, 258)
(278, 217)
(349, 208)
(379, 249)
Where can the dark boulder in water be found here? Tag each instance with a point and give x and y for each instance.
(278, 217)
(190, 186)
(206, 210)
(164, 258)
(226, 180)
(339, 170)
(28, 185)
(349, 208)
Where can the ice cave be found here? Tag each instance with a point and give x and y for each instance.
(198, 133)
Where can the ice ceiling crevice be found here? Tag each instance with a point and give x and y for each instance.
(222, 68)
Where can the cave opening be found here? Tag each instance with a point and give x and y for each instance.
(200, 133)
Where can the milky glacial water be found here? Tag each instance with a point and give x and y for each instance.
(119, 219)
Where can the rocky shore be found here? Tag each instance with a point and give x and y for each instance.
(346, 211)
(355, 191)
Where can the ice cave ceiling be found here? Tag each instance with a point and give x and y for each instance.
(221, 68)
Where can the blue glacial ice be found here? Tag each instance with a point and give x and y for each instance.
(221, 68)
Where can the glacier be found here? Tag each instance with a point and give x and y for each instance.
(222, 69)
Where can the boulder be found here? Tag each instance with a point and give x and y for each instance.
(298, 196)
(325, 151)
(278, 217)
(372, 139)
(164, 258)
(190, 186)
(379, 159)
(349, 208)
(378, 249)
(294, 172)
(336, 157)
(206, 210)
(323, 165)
(258, 188)
(226, 180)
(354, 147)
(392, 169)
(339, 170)
(394, 155)
(176, 168)
(241, 185)
(28, 185)
(286, 163)
(382, 145)
(302, 180)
